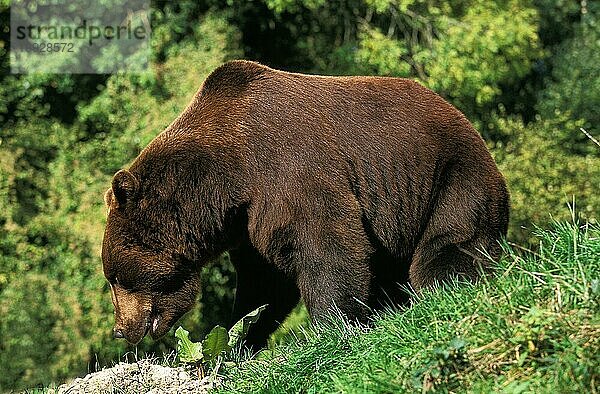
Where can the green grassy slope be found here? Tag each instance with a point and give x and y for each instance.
(535, 328)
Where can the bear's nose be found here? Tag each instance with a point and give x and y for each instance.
(118, 334)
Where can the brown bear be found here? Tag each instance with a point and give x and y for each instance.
(336, 190)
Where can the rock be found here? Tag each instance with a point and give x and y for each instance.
(143, 376)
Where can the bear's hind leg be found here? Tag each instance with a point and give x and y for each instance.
(461, 238)
(445, 258)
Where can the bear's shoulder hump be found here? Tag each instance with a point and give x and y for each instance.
(232, 78)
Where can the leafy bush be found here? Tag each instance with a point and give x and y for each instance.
(51, 270)
(573, 91)
(543, 177)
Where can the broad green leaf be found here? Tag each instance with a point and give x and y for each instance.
(187, 351)
(215, 343)
(238, 332)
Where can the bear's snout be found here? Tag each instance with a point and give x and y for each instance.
(132, 314)
(132, 331)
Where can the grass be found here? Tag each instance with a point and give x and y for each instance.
(533, 328)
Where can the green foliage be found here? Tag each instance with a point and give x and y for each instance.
(56, 327)
(491, 45)
(543, 177)
(557, 19)
(443, 367)
(7, 181)
(573, 91)
(187, 351)
(382, 55)
(466, 56)
(218, 342)
(533, 335)
(46, 266)
(293, 326)
(535, 327)
(215, 344)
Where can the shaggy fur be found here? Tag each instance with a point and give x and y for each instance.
(333, 189)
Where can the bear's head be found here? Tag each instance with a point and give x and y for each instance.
(153, 278)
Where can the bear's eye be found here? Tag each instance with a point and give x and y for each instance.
(126, 279)
(127, 283)
(110, 275)
(169, 282)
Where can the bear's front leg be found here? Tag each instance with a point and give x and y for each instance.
(331, 286)
(332, 267)
(260, 283)
(330, 254)
(322, 242)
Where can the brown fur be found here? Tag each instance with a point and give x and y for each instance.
(334, 189)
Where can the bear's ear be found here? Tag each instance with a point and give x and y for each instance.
(124, 188)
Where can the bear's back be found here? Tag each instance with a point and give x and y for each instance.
(356, 115)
